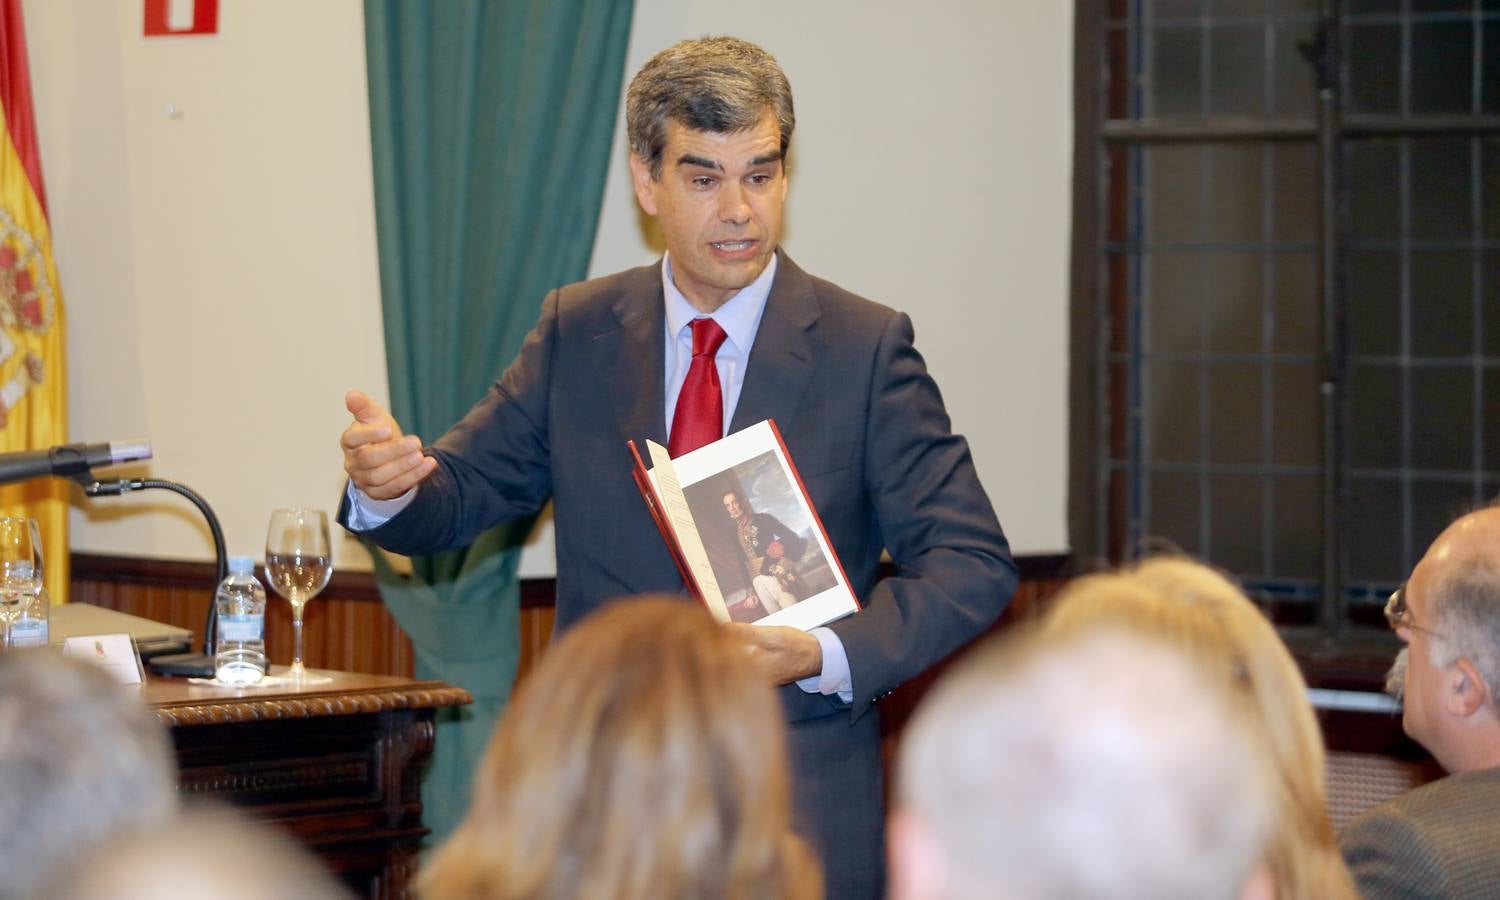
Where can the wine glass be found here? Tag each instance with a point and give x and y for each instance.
(20, 569)
(298, 565)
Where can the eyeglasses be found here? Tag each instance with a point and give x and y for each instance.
(1398, 614)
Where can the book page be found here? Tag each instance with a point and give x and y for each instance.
(680, 516)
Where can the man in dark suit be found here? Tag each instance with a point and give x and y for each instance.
(1442, 840)
(729, 324)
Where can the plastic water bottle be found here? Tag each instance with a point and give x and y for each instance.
(31, 629)
(240, 656)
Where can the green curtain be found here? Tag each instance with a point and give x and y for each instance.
(491, 126)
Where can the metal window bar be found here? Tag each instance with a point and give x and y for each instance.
(1476, 220)
(1476, 287)
(1326, 58)
(1205, 384)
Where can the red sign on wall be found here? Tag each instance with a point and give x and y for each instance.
(178, 17)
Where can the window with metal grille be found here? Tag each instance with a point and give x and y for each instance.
(1286, 287)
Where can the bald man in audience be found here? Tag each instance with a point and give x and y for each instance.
(1443, 839)
(1091, 766)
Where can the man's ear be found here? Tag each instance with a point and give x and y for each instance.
(1466, 690)
(645, 186)
(916, 861)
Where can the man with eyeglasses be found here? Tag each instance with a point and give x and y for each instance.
(1443, 839)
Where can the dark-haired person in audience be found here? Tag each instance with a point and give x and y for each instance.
(81, 760)
(1095, 764)
(1442, 840)
(643, 760)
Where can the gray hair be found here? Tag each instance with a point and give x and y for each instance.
(81, 758)
(1465, 613)
(718, 84)
(208, 851)
(1028, 752)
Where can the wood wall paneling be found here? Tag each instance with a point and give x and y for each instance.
(345, 628)
(349, 629)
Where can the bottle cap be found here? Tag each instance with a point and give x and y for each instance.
(242, 565)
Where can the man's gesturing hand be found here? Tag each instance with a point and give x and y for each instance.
(380, 460)
(783, 654)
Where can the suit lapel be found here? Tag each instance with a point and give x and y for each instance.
(629, 358)
(782, 361)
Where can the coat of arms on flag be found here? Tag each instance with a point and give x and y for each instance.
(33, 402)
(27, 306)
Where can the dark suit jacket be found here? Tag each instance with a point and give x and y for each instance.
(1441, 840)
(867, 429)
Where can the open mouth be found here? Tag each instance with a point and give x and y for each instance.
(732, 246)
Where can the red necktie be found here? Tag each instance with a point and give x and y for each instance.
(699, 418)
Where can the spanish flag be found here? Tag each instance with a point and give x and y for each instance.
(33, 398)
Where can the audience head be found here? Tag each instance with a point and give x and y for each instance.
(714, 84)
(1448, 676)
(1203, 614)
(207, 852)
(81, 759)
(1089, 765)
(644, 758)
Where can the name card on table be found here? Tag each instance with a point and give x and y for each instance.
(114, 653)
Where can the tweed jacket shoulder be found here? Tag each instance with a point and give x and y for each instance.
(1439, 840)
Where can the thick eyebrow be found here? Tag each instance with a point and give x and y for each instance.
(688, 159)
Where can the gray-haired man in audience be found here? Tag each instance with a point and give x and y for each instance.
(1090, 767)
(81, 759)
(207, 853)
(1443, 839)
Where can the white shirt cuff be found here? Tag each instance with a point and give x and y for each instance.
(366, 513)
(835, 679)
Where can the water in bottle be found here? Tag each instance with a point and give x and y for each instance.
(31, 629)
(240, 657)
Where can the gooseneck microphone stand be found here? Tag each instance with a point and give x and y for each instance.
(195, 664)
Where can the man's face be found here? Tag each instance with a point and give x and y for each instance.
(718, 202)
(1444, 705)
(1422, 686)
(732, 506)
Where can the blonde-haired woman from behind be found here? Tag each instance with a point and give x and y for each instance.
(1201, 610)
(644, 758)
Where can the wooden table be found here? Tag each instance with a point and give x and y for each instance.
(337, 764)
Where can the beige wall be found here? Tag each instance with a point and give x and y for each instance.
(219, 265)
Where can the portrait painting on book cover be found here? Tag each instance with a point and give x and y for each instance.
(761, 542)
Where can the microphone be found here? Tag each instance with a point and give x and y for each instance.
(69, 460)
